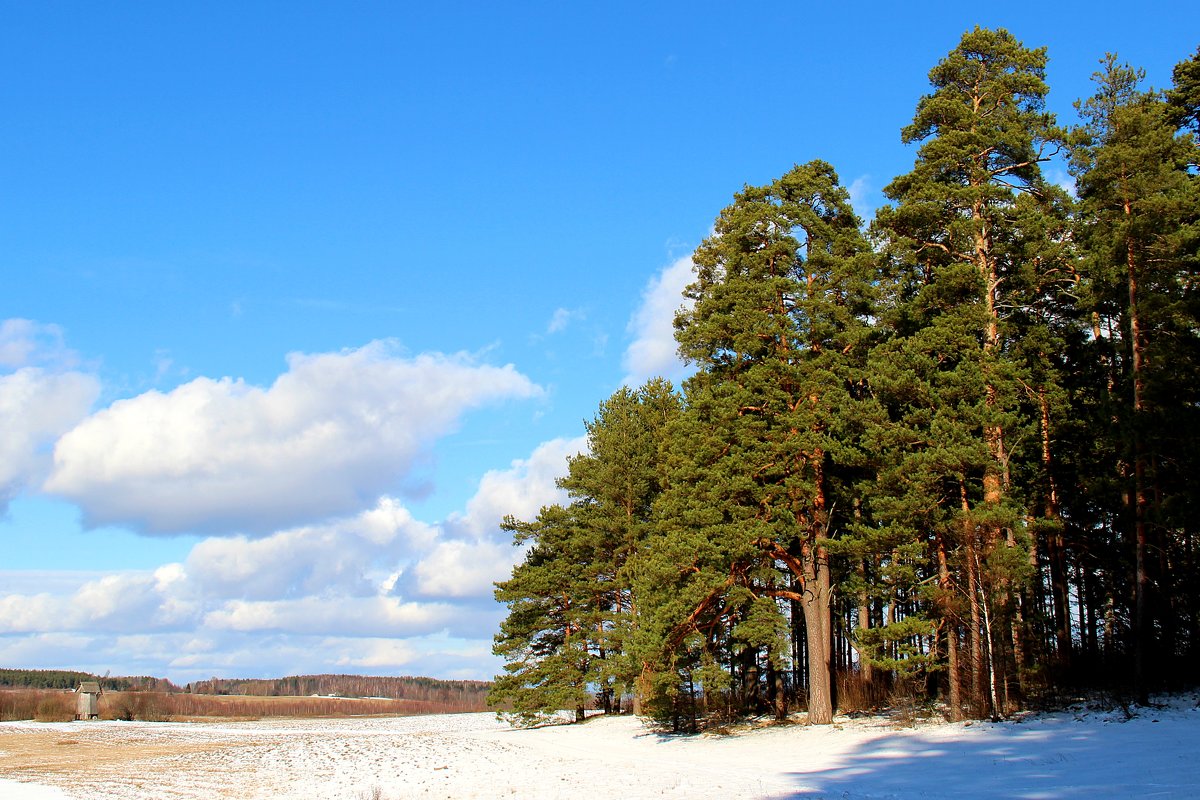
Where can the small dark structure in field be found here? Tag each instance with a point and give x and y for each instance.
(88, 704)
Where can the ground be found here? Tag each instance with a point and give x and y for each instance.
(1075, 754)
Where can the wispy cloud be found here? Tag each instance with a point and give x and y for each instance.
(26, 343)
(1063, 179)
(863, 197)
(562, 318)
(653, 351)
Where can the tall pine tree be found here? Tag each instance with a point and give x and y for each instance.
(760, 457)
(571, 601)
(1138, 203)
(969, 273)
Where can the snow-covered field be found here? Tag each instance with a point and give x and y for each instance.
(1078, 754)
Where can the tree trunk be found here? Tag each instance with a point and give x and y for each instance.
(777, 691)
(1141, 625)
(750, 685)
(1017, 629)
(1060, 591)
(991, 668)
(818, 622)
(799, 655)
(995, 478)
(1089, 634)
(865, 668)
(978, 678)
(950, 627)
(1054, 547)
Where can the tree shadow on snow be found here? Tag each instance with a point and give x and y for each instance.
(1036, 761)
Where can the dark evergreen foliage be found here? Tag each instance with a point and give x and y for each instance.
(958, 462)
(453, 693)
(67, 679)
(572, 600)
(1137, 231)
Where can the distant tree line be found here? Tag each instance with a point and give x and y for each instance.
(54, 705)
(66, 679)
(953, 452)
(432, 690)
(430, 694)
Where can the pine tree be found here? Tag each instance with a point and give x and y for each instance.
(963, 443)
(1137, 230)
(1184, 97)
(970, 272)
(757, 460)
(548, 637)
(613, 487)
(571, 603)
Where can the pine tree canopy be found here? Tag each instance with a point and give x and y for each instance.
(949, 453)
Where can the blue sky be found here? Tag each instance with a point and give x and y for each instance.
(301, 298)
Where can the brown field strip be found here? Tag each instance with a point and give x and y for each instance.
(29, 751)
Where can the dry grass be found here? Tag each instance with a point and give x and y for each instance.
(190, 706)
(29, 752)
(43, 705)
(59, 706)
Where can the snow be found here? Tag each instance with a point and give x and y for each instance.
(1072, 754)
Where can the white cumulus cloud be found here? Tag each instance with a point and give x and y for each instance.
(378, 653)
(41, 397)
(353, 556)
(347, 616)
(128, 601)
(653, 351)
(471, 552)
(328, 436)
(368, 590)
(36, 407)
(520, 490)
(458, 568)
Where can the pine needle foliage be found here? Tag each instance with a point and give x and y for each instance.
(953, 452)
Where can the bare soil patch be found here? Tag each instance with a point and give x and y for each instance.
(33, 751)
